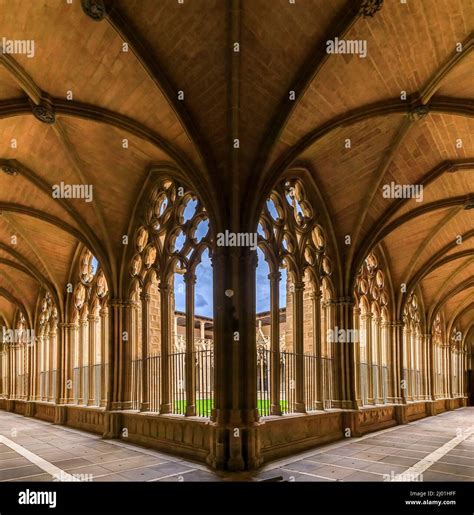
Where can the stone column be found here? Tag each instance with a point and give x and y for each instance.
(118, 355)
(408, 376)
(445, 350)
(74, 337)
(378, 342)
(356, 358)
(449, 366)
(166, 337)
(104, 338)
(432, 369)
(367, 322)
(385, 359)
(190, 364)
(346, 353)
(426, 366)
(317, 346)
(298, 342)
(64, 373)
(91, 355)
(274, 277)
(400, 379)
(234, 443)
(145, 298)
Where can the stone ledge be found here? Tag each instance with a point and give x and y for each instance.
(200, 439)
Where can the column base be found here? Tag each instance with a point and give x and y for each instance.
(275, 409)
(166, 408)
(190, 410)
(300, 407)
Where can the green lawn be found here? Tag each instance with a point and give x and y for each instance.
(204, 406)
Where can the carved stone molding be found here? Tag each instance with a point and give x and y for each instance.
(44, 111)
(95, 9)
(369, 7)
(419, 112)
(9, 169)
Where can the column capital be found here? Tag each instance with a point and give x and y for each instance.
(145, 296)
(275, 275)
(164, 288)
(67, 325)
(189, 277)
(118, 303)
(297, 286)
(398, 323)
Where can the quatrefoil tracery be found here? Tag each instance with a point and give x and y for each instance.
(92, 283)
(289, 234)
(370, 285)
(173, 234)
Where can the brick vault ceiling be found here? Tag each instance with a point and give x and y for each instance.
(189, 48)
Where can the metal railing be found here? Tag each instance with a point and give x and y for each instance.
(97, 380)
(287, 381)
(317, 394)
(154, 382)
(76, 374)
(204, 382)
(311, 374)
(136, 383)
(178, 382)
(204, 363)
(385, 382)
(43, 385)
(263, 381)
(364, 386)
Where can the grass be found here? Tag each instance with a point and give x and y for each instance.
(204, 406)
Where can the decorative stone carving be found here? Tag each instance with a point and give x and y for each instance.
(9, 169)
(419, 112)
(95, 9)
(44, 111)
(370, 7)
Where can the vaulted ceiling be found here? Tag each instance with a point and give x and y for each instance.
(180, 94)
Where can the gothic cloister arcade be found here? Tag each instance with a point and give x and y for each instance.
(220, 240)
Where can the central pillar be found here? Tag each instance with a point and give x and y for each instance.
(346, 354)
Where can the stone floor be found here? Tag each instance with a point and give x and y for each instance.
(433, 449)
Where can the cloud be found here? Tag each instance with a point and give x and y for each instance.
(200, 301)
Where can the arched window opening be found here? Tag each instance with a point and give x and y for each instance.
(455, 349)
(370, 322)
(292, 264)
(47, 349)
(88, 336)
(4, 375)
(412, 344)
(173, 370)
(437, 349)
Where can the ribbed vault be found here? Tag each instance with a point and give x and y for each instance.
(406, 110)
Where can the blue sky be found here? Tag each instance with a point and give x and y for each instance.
(203, 290)
(203, 298)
